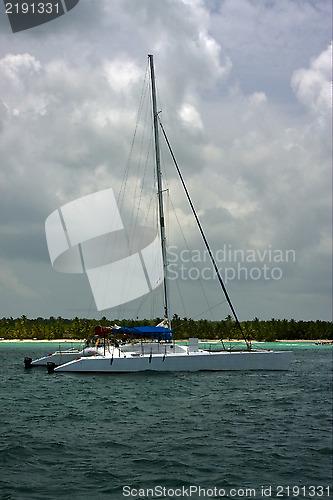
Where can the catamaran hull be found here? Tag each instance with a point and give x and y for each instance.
(222, 361)
(58, 358)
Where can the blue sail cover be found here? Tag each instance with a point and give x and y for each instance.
(154, 332)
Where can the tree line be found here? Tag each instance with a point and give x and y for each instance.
(78, 328)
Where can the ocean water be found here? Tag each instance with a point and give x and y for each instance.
(182, 435)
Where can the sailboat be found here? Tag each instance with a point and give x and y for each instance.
(152, 348)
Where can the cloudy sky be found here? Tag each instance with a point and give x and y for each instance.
(245, 94)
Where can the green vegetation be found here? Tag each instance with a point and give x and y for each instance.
(272, 330)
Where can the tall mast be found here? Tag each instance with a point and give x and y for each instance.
(159, 189)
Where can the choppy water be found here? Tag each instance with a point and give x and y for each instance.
(80, 436)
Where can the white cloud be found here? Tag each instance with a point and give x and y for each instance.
(122, 74)
(15, 66)
(191, 116)
(313, 86)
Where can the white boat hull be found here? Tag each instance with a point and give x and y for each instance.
(192, 362)
(58, 358)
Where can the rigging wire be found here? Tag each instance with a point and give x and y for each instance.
(210, 309)
(123, 188)
(248, 343)
(169, 199)
(129, 160)
(140, 178)
(188, 249)
(144, 200)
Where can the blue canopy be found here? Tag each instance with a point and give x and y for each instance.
(154, 332)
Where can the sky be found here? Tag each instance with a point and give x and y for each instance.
(244, 90)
